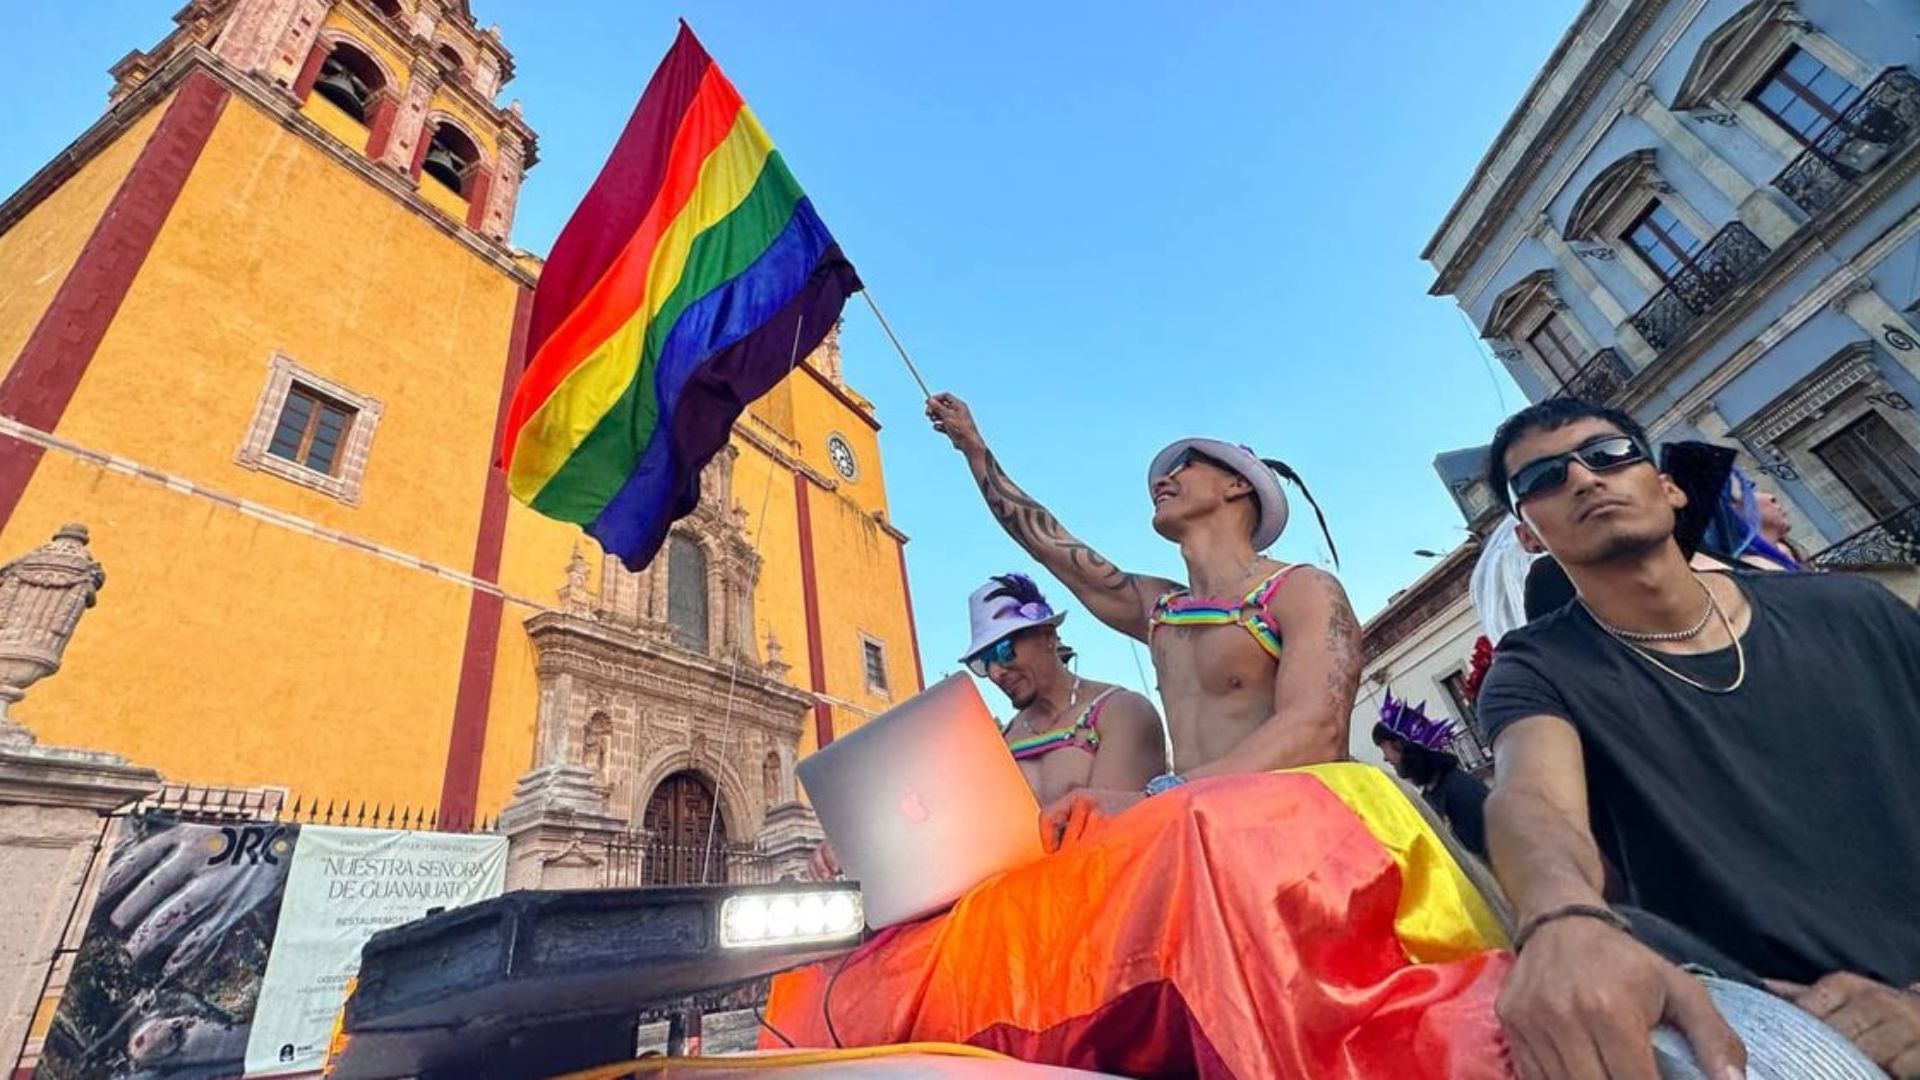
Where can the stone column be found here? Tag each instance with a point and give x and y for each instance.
(558, 830)
(1625, 337)
(558, 825)
(1757, 207)
(253, 28)
(486, 74)
(788, 838)
(52, 800)
(53, 807)
(504, 192)
(409, 125)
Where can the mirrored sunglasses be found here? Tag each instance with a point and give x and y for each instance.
(1000, 653)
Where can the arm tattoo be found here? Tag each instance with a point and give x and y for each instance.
(1042, 535)
(1343, 671)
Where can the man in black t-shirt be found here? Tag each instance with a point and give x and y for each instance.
(1742, 748)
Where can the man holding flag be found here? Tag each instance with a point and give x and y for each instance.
(691, 280)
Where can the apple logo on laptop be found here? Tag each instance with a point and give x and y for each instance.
(911, 807)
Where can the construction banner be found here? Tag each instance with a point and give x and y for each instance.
(219, 951)
(345, 885)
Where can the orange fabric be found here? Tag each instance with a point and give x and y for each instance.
(1237, 927)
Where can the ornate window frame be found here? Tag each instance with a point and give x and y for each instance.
(1615, 199)
(346, 484)
(1520, 310)
(1735, 58)
(1847, 386)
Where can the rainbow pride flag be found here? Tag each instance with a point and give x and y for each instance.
(691, 278)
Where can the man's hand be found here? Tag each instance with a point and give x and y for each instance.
(952, 418)
(1067, 817)
(1583, 1000)
(823, 864)
(1883, 1022)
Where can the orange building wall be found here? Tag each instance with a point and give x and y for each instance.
(228, 650)
(37, 252)
(224, 649)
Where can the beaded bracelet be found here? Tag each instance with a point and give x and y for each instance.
(1570, 911)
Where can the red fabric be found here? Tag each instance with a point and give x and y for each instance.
(1240, 927)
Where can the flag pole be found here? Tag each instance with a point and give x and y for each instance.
(867, 295)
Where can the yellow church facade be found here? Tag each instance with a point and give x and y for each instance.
(258, 326)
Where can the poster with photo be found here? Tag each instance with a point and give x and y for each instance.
(220, 951)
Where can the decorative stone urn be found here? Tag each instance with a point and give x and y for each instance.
(42, 596)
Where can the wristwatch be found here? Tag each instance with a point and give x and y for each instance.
(1166, 781)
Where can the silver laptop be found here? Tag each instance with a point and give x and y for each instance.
(923, 802)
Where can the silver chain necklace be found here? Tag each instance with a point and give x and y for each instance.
(1668, 635)
(1713, 606)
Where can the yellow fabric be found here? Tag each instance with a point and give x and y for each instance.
(1442, 917)
(583, 398)
(781, 1061)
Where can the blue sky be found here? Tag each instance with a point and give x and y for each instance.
(1105, 225)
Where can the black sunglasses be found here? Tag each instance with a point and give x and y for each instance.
(1604, 453)
(1190, 456)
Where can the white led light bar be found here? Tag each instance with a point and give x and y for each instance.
(759, 919)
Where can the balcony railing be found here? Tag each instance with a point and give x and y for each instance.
(1728, 260)
(1880, 120)
(1599, 379)
(1891, 541)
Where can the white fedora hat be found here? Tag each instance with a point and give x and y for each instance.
(1006, 604)
(1267, 494)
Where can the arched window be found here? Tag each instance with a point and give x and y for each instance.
(687, 593)
(349, 79)
(451, 57)
(451, 158)
(683, 817)
(389, 8)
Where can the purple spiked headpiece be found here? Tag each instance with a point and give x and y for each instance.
(1410, 722)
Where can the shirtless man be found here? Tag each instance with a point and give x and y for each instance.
(1236, 701)
(1069, 732)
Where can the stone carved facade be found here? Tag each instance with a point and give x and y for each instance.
(625, 704)
(42, 596)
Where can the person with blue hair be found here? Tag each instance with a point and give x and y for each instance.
(1748, 527)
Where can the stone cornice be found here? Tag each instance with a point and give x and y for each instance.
(1846, 369)
(570, 644)
(1565, 107)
